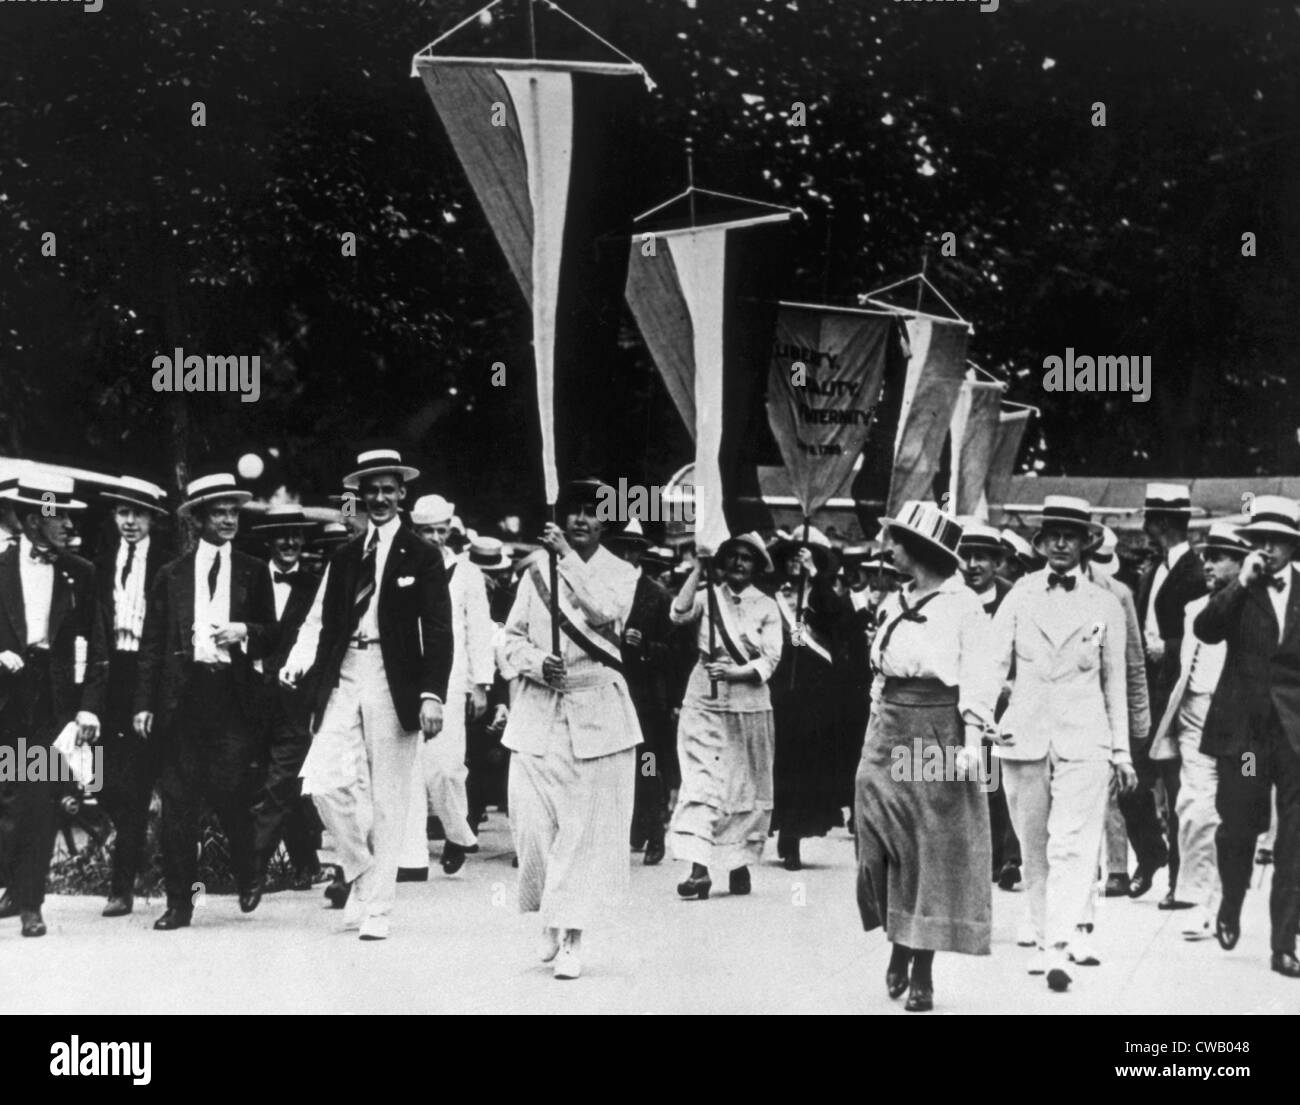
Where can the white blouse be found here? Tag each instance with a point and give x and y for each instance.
(954, 644)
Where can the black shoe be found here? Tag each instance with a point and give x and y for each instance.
(920, 999)
(7, 906)
(1058, 980)
(1284, 963)
(304, 878)
(738, 881)
(793, 861)
(34, 924)
(1140, 883)
(697, 886)
(118, 905)
(453, 857)
(250, 898)
(1117, 886)
(337, 892)
(412, 874)
(896, 980)
(172, 918)
(1226, 932)
(1009, 876)
(1171, 902)
(638, 844)
(654, 854)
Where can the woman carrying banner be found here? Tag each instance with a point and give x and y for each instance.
(725, 738)
(924, 850)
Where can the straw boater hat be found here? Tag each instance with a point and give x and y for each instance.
(283, 518)
(1173, 499)
(1017, 545)
(141, 493)
(206, 489)
(977, 537)
(41, 489)
(1223, 538)
(331, 534)
(375, 462)
(1103, 545)
(489, 554)
(432, 510)
(1272, 516)
(882, 564)
(751, 542)
(930, 524)
(1068, 510)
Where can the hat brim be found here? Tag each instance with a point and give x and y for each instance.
(1268, 529)
(981, 545)
(14, 497)
(404, 472)
(782, 549)
(764, 564)
(1221, 547)
(281, 527)
(189, 504)
(144, 504)
(894, 523)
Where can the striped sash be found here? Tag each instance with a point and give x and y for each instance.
(600, 643)
(731, 634)
(803, 635)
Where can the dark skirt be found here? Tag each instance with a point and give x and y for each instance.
(924, 851)
(807, 784)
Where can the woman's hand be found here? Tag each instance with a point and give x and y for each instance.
(724, 671)
(553, 538)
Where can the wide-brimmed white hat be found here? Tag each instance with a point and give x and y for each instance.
(137, 492)
(1067, 510)
(1272, 516)
(432, 510)
(218, 485)
(41, 489)
(977, 537)
(374, 462)
(1222, 537)
(489, 554)
(750, 541)
(282, 517)
(1168, 498)
(925, 520)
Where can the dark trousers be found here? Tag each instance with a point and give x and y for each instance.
(1141, 819)
(1006, 845)
(130, 769)
(1243, 802)
(31, 812)
(650, 796)
(208, 753)
(279, 810)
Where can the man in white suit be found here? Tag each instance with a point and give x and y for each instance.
(1065, 729)
(443, 774)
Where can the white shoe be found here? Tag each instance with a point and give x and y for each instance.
(1198, 924)
(549, 946)
(1038, 964)
(567, 963)
(354, 911)
(1081, 951)
(374, 928)
(1026, 937)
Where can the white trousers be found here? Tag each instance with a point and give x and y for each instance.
(1198, 819)
(438, 788)
(1058, 808)
(359, 773)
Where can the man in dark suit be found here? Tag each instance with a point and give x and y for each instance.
(211, 614)
(379, 637)
(124, 574)
(1167, 586)
(280, 809)
(1253, 724)
(52, 671)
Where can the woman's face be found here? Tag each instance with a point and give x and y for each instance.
(902, 561)
(739, 567)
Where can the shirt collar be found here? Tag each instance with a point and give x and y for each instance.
(206, 550)
(283, 571)
(987, 593)
(385, 530)
(1173, 555)
(123, 548)
(25, 547)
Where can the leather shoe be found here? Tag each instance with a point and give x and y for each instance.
(1284, 963)
(250, 899)
(654, 854)
(7, 906)
(1227, 933)
(1171, 902)
(34, 924)
(695, 887)
(1140, 883)
(896, 980)
(453, 858)
(337, 893)
(118, 905)
(920, 998)
(1009, 876)
(1117, 886)
(738, 881)
(412, 874)
(172, 918)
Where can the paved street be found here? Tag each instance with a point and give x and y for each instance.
(459, 946)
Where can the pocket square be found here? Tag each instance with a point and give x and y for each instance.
(405, 581)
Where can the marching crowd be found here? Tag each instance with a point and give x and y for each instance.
(392, 675)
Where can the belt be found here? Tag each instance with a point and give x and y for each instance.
(918, 692)
(363, 642)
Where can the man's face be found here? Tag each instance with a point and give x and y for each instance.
(1221, 568)
(382, 495)
(979, 567)
(430, 536)
(583, 529)
(132, 523)
(1278, 553)
(219, 521)
(1062, 545)
(51, 530)
(286, 548)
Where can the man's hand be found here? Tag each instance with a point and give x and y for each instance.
(553, 538)
(11, 662)
(230, 634)
(1125, 777)
(143, 724)
(1155, 646)
(1252, 567)
(632, 638)
(499, 718)
(430, 718)
(87, 727)
(553, 672)
(478, 701)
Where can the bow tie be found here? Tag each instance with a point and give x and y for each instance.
(45, 556)
(1055, 579)
(1278, 583)
(281, 577)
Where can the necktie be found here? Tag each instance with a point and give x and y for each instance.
(281, 577)
(1276, 582)
(1055, 579)
(213, 572)
(909, 614)
(126, 568)
(366, 580)
(44, 555)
